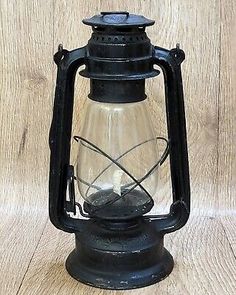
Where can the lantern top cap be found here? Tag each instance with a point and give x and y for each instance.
(118, 19)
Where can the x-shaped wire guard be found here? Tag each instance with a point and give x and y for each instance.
(135, 182)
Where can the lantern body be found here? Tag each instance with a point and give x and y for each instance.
(125, 132)
(118, 246)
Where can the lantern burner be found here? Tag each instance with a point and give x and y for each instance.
(132, 205)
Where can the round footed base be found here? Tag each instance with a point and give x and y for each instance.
(119, 280)
(113, 255)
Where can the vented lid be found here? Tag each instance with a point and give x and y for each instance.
(119, 49)
(118, 19)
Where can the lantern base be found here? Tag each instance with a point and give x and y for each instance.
(119, 258)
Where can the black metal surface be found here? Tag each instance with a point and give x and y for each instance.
(170, 62)
(133, 204)
(118, 53)
(117, 91)
(123, 246)
(129, 256)
(121, 19)
(60, 136)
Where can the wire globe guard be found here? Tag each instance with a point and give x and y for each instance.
(131, 203)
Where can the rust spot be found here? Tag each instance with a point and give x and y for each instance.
(22, 142)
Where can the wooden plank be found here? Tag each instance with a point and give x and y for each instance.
(227, 111)
(202, 266)
(26, 96)
(19, 235)
(227, 122)
(229, 223)
(25, 102)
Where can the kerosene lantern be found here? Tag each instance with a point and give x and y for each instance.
(118, 244)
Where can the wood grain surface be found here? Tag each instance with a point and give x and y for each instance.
(32, 251)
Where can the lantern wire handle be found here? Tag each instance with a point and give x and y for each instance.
(135, 182)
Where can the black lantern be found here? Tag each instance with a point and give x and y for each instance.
(118, 245)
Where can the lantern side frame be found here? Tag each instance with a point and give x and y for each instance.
(68, 63)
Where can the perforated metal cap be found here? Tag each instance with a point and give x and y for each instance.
(119, 57)
(118, 19)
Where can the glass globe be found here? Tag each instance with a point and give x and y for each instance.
(124, 132)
